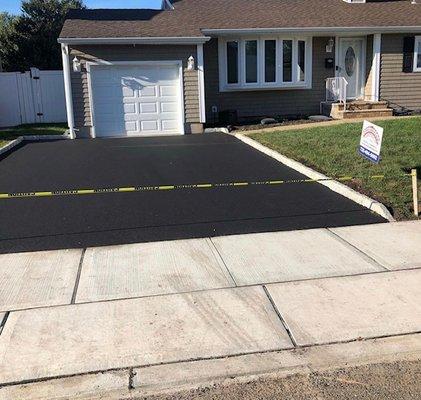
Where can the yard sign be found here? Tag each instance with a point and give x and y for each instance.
(371, 142)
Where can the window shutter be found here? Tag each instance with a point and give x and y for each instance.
(408, 53)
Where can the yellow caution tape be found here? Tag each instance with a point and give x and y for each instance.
(75, 192)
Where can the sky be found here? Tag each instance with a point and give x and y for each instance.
(13, 6)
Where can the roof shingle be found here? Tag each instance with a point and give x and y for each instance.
(190, 17)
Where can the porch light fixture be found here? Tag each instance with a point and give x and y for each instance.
(76, 65)
(190, 63)
(329, 46)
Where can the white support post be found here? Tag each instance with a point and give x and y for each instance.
(201, 77)
(375, 90)
(68, 90)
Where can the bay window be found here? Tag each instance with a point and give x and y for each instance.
(265, 63)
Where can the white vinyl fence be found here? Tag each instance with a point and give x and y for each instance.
(31, 97)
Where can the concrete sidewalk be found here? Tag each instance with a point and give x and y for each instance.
(127, 320)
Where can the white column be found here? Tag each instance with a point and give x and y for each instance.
(201, 76)
(68, 89)
(375, 69)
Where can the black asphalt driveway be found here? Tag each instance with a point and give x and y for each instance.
(114, 218)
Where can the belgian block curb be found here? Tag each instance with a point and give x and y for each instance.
(31, 138)
(336, 186)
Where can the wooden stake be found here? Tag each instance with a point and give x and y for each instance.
(415, 191)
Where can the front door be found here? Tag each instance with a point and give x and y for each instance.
(350, 65)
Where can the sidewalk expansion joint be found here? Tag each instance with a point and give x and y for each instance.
(383, 271)
(356, 249)
(133, 367)
(214, 248)
(79, 272)
(359, 339)
(278, 313)
(4, 320)
(132, 374)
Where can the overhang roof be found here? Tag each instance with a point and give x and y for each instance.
(196, 18)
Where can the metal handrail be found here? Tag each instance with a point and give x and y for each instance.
(336, 90)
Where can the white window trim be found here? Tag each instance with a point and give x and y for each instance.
(261, 84)
(243, 61)
(223, 61)
(417, 41)
(278, 61)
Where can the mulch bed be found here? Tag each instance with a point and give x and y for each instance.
(257, 125)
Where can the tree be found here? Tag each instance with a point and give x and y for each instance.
(31, 39)
(7, 22)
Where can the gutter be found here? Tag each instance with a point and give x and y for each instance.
(136, 40)
(180, 40)
(315, 30)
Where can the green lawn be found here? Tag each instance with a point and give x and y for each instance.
(7, 134)
(332, 150)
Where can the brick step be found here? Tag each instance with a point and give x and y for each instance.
(381, 112)
(357, 106)
(356, 109)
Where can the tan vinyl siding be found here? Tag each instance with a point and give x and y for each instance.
(261, 103)
(191, 97)
(399, 88)
(80, 94)
(80, 90)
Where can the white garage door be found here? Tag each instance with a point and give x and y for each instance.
(131, 100)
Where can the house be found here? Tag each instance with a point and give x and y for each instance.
(196, 62)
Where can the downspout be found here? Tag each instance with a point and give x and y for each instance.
(68, 90)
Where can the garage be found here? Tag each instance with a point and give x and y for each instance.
(136, 99)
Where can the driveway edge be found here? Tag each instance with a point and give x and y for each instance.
(30, 138)
(11, 145)
(333, 185)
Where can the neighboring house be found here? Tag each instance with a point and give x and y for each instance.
(170, 71)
